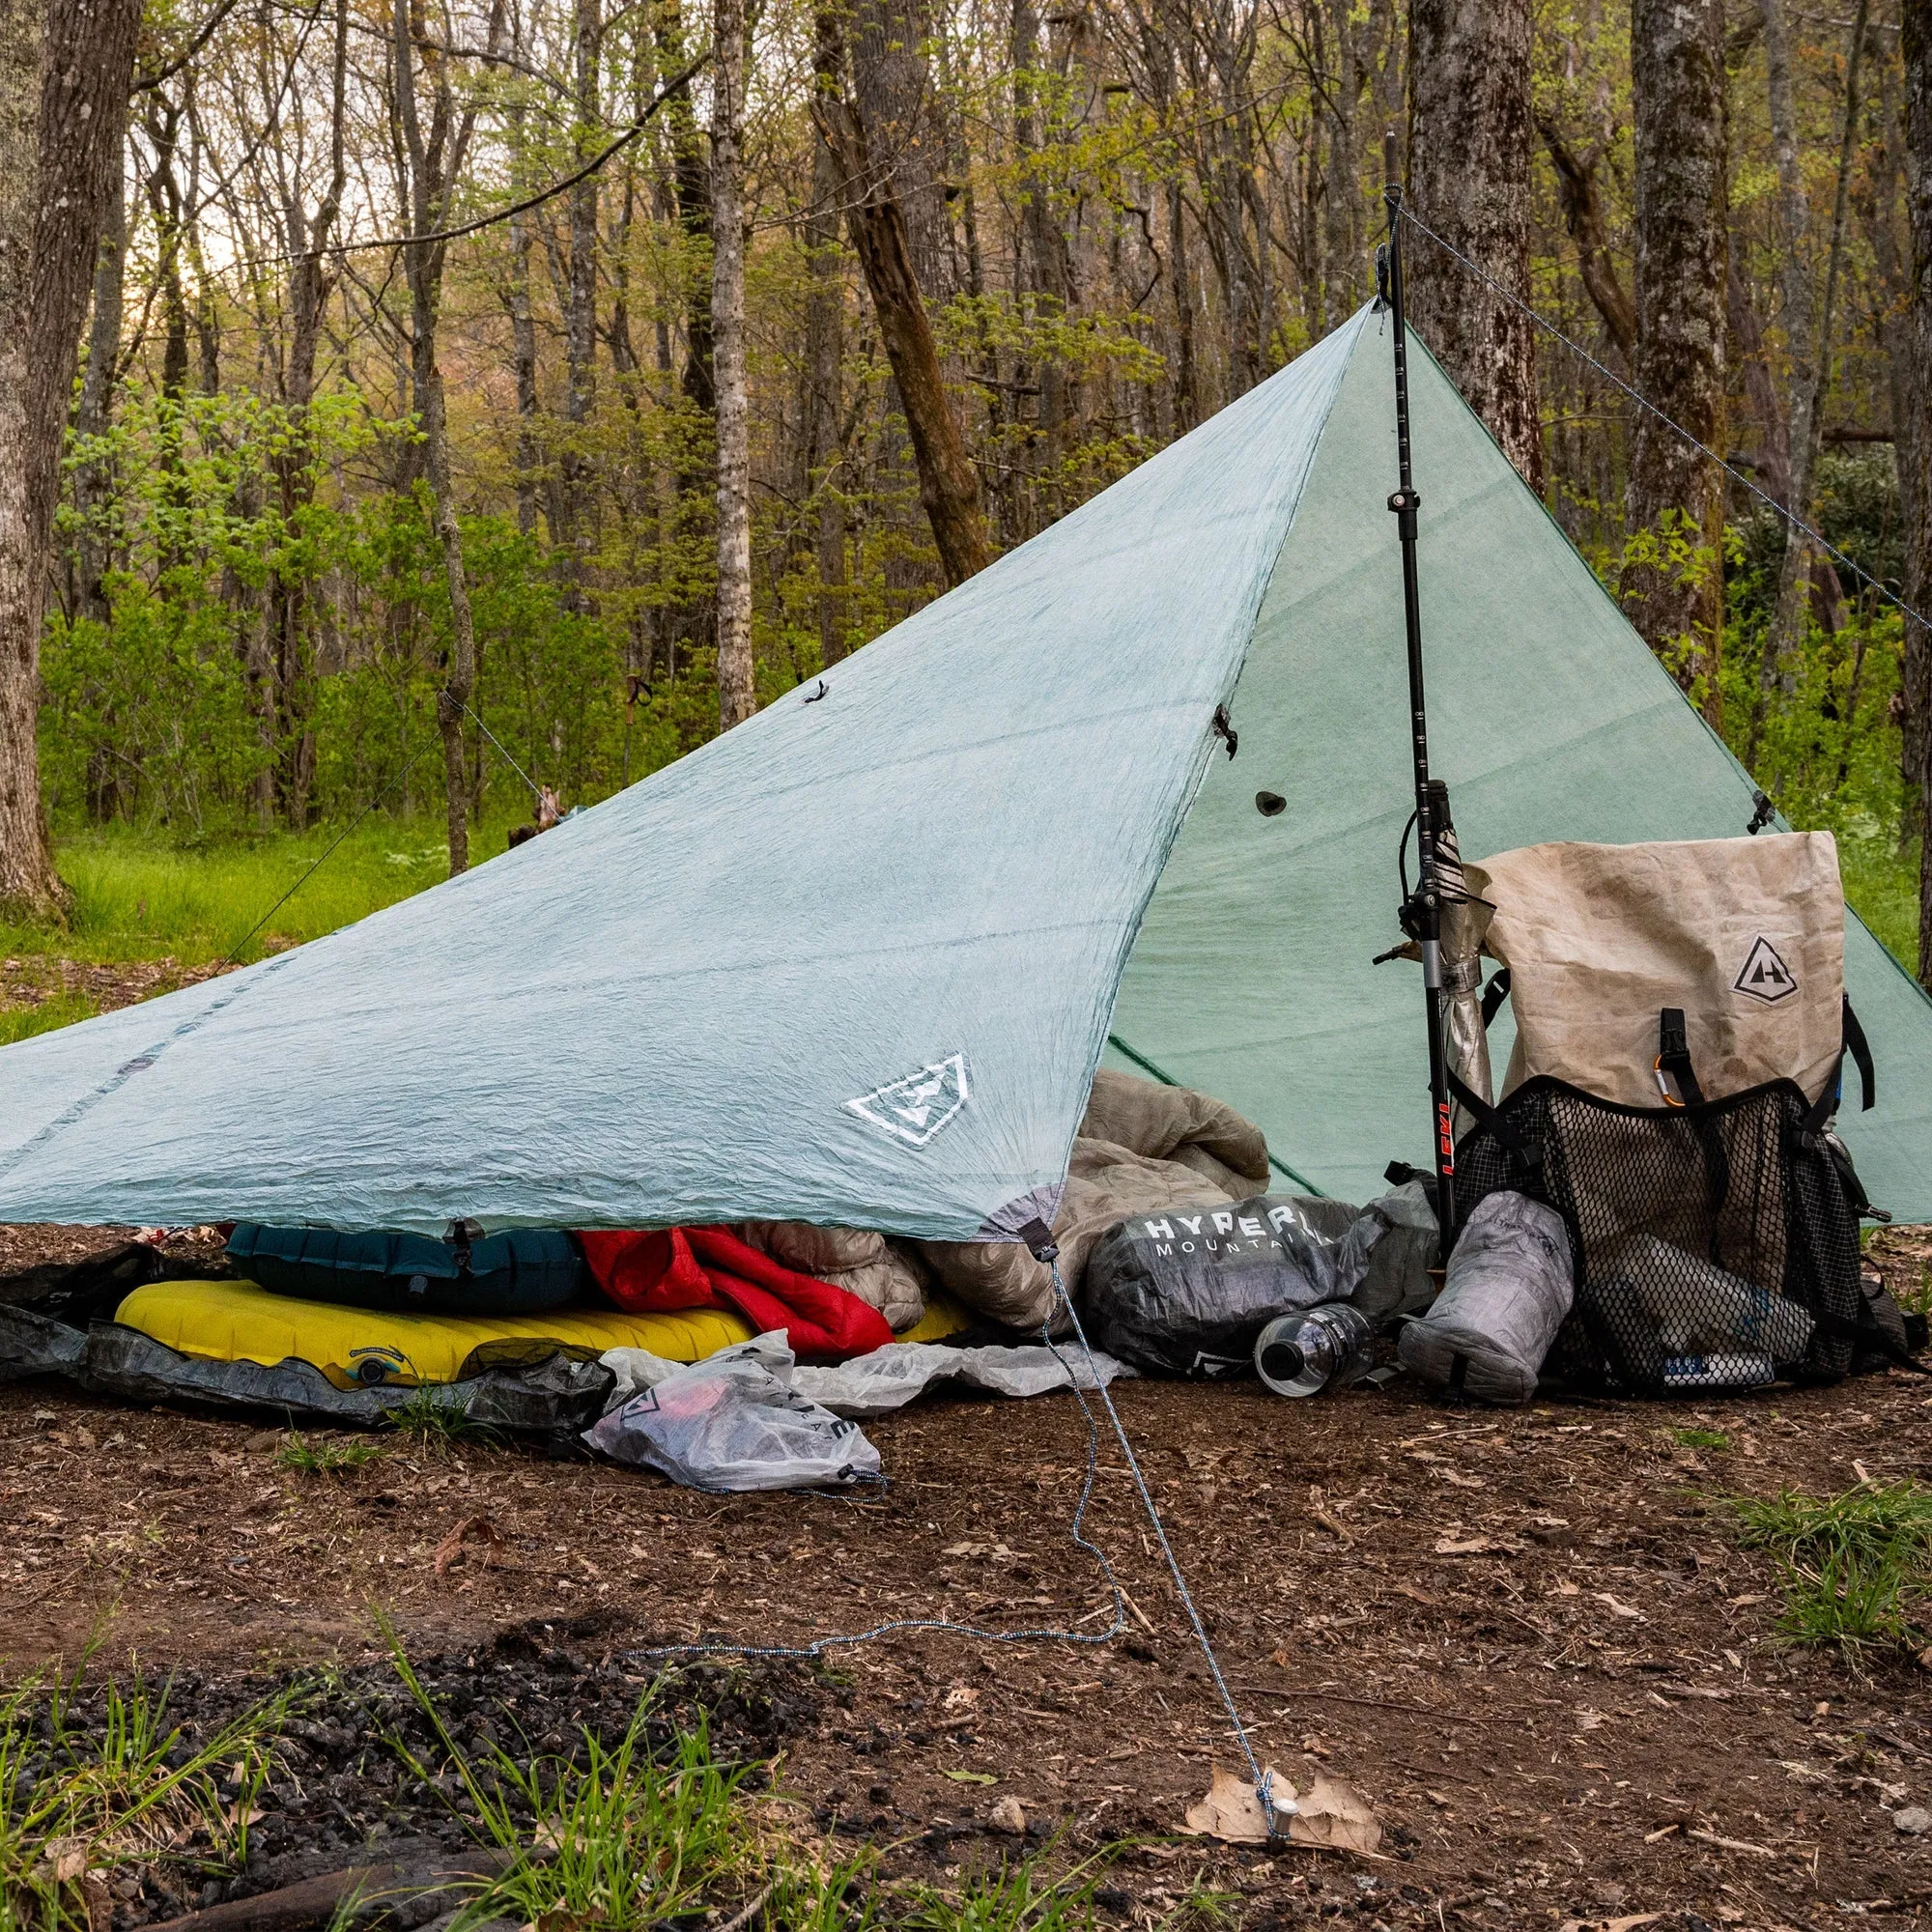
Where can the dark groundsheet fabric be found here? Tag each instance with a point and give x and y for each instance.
(65, 1327)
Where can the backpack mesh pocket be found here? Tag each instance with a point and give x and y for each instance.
(1714, 1248)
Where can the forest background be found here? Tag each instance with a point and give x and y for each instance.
(483, 396)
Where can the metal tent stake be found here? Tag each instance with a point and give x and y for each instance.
(1422, 910)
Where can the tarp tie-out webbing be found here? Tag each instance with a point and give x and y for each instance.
(945, 1626)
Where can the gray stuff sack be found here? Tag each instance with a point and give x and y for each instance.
(734, 1422)
(1509, 1288)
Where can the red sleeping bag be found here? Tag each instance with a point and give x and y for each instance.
(660, 1270)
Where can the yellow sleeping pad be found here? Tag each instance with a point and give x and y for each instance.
(237, 1321)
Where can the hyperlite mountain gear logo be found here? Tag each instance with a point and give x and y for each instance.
(914, 1109)
(1765, 975)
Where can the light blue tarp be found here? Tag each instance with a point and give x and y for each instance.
(855, 961)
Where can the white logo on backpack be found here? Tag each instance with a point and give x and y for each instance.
(1764, 974)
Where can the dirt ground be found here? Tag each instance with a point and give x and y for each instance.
(1529, 1636)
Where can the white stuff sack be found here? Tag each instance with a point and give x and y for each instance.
(734, 1421)
(1509, 1286)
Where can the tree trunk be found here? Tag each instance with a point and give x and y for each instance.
(1794, 578)
(1917, 49)
(1677, 359)
(64, 81)
(1584, 215)
(1470, 148)
(430, 171)
(949, 485)
(1342, 272)
(580, 323)
(824, 347)
(310, 284)
(522, 335)
(736, 697)
(93, 481)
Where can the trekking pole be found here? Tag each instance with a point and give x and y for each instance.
(1421, 912)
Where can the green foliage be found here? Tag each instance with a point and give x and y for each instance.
(1854, 1569)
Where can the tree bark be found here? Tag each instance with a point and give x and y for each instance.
(310, 284)
(1678, 353)
(824, 347)
(1583, 216)
(1470, 146)
(522, 335)
(433, 162)
(93, 482)
(65, 74)
(736, 696)
(949, 485)
(1916, 20)
(1794, 578)
(580, 326)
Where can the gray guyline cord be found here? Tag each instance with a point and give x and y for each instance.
(1644, 403)
(1264, 1781)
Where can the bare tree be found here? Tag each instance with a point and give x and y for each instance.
(431, 163)
(1677, 355)
(65, 73)
(736, 697)
(1916, 20)
(1470, 144)
(310, 283)
(1807, 332)
(949, 485)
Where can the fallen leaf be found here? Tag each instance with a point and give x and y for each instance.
(63, 1861)
(478, 1531)
(972, 1777)
(1336, 1815)
(1232, 1811)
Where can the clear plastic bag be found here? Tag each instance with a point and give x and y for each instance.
(733, 1421)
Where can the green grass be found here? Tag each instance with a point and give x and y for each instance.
(1701, 1438)
(324, 1459)
(81, 1803)
(432, 1421)
(1854, 1569)
(139, 896)
(59, 1010)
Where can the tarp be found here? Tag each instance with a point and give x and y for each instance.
(854, 962)
(1549, 719)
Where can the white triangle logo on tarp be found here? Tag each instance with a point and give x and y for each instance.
(914, 1109)
(1764, 975)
